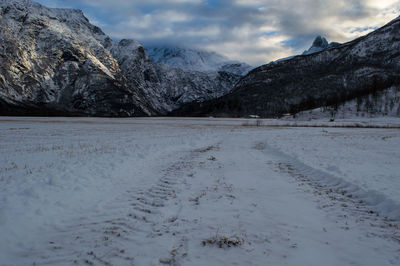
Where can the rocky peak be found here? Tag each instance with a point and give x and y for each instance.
(320, 43)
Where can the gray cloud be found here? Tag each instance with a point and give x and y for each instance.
(254, 31)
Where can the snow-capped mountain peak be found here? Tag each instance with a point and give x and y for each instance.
(187, 59)
(196, 60)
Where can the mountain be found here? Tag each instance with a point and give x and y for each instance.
(320, 43)
(167, 87)
(196, 60)
(366, 66)
(180, 76)
(54, 62)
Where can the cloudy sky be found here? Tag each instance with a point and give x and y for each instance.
(253, 31)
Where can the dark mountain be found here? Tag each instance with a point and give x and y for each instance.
(365, 66)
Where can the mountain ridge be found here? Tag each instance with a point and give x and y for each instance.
(337, 74)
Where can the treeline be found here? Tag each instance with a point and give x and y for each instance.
(370, 87)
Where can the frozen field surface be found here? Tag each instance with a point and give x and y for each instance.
(164, 191)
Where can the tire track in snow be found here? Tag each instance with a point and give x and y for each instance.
(349, 204)
(131, 228)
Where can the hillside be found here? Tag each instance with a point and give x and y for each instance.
(53, 61)
(330, 77)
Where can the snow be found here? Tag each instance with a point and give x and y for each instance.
(354, 159)
(171, 190)
(196, 60)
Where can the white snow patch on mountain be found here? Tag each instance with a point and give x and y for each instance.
(196, 60)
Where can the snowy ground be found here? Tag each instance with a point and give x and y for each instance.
(78, 191)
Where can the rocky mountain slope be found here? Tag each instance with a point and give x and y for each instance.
(362, 67)
(54, 62)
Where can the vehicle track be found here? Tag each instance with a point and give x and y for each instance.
(136, 226)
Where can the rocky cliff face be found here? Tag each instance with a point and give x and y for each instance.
(326, 78)
(53, 61)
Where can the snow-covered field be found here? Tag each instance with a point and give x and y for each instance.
(78, 191)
